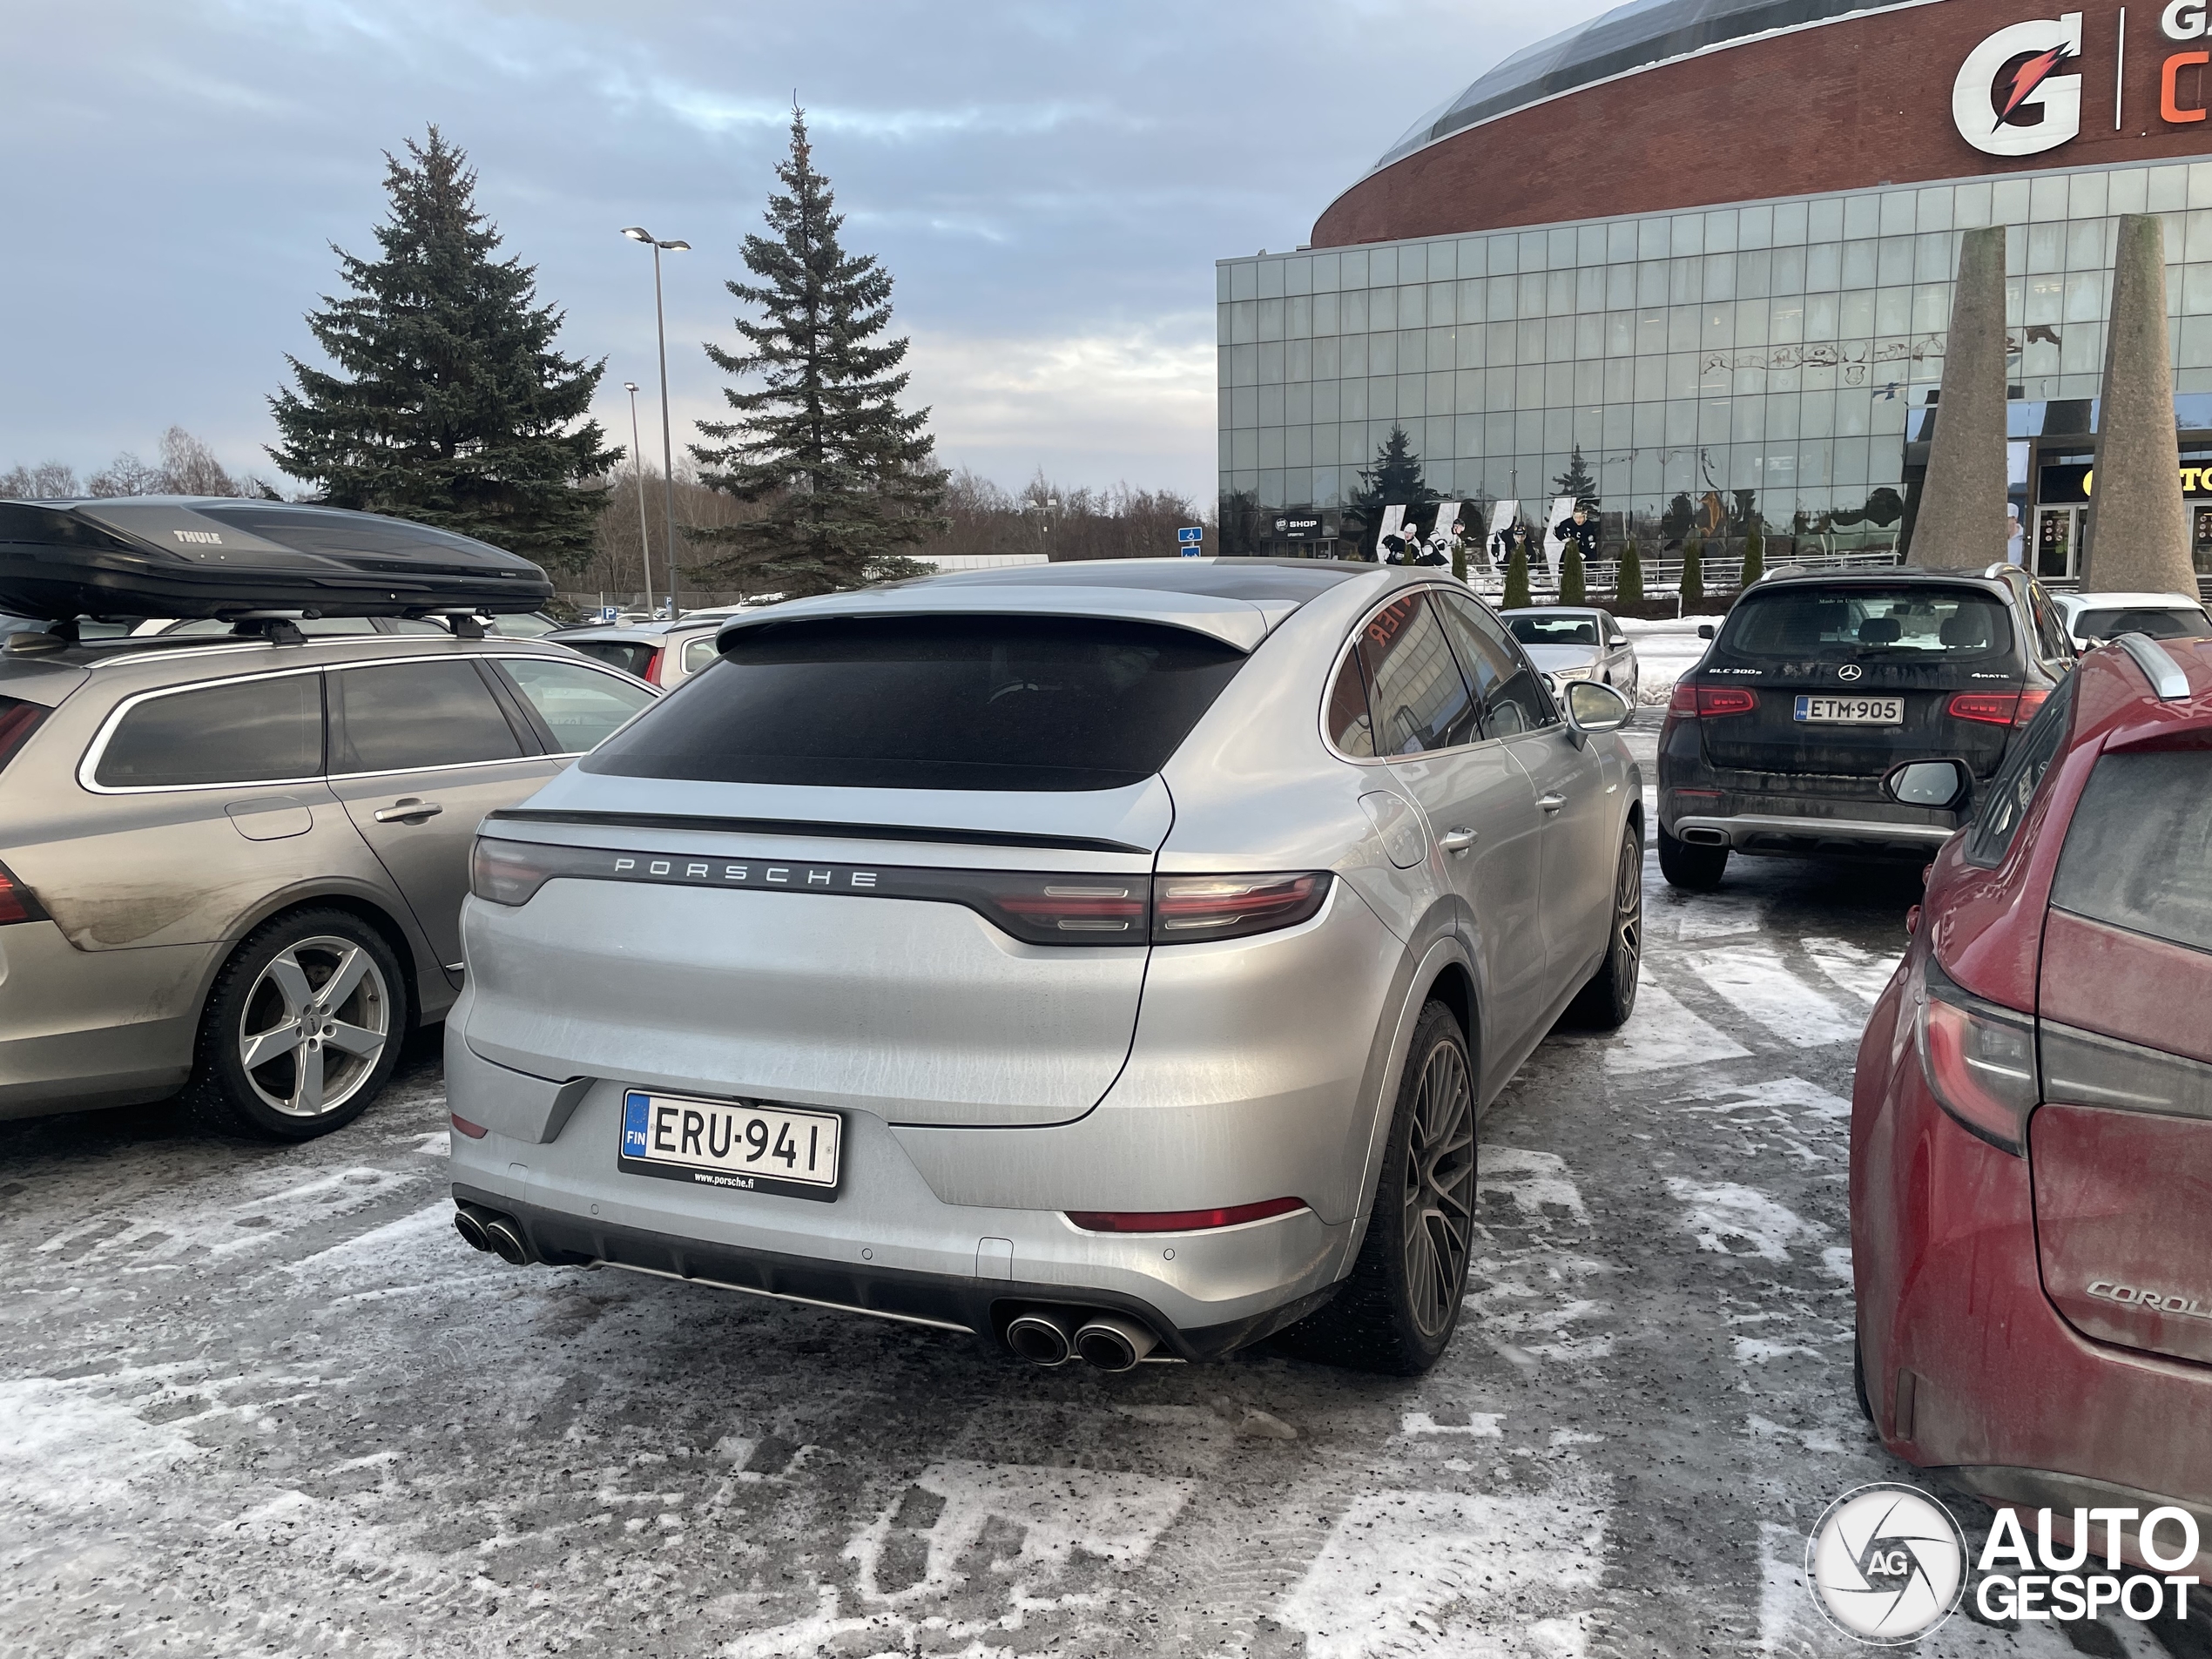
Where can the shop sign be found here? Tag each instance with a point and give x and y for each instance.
(1303, 527)
(2056, 486)
(2018, 91)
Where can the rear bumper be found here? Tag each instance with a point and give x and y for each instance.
(1810, 836)
(946, 1301)
(889, 1243)
(81, 1029)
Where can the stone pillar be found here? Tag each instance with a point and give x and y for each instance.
(2137, 536)
(1961, 521)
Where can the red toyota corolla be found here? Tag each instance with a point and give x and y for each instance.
(2031, 1186)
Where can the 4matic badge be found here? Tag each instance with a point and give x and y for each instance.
(2010, 99)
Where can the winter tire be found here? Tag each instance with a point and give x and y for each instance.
(1695, 868)
(1605, 1003)
(302, 1029)
(1396, 1310)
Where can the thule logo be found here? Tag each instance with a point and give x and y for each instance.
(198, 538)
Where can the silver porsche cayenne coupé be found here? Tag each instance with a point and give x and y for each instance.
(1112, 960)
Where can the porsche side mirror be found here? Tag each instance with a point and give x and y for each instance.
(1594, 707)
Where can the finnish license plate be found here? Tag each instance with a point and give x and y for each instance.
(1851, 711)
(733, 1144)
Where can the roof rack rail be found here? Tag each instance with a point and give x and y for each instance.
(2163, 671)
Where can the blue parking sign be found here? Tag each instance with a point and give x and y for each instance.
(1191, 533)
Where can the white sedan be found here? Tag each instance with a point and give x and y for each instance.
(2092, 619)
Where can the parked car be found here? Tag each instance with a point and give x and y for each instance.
(662, 653)
(2092, 619)
(2031, 1122)
(1576, 643)
(1108, 958)
(1819, 684)
(211, 847)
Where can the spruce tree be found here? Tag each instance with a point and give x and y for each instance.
(1394, 481)
(1574, 580)
(1754, 554)
(1693, 574)
(1516, 593)
(848, 477)
(1628, 583)
(1577, 482)
(449, 403)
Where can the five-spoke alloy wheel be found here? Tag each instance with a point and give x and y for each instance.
(302, 1029)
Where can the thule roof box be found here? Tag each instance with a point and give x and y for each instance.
(194, 556)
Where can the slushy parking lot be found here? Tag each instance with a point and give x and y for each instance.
(263, 1401)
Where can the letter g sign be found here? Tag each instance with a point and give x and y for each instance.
(2008, 101)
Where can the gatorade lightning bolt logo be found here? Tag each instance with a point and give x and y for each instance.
(2009, 99)
(2029, 76)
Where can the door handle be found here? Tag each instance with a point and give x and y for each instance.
(406, 808)
(1551, 803)
(1458, 841)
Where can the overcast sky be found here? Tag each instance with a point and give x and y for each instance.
(1048, 183)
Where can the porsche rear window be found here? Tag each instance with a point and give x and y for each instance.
(1908, 624)
(981, 702)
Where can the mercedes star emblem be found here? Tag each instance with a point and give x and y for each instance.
(1849, 671)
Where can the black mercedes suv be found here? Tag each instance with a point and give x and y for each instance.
(1798, 732)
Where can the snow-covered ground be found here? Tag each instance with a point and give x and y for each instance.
(262, 1400)
(1666, 650)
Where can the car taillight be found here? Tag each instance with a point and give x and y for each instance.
(510, 873)
(1186, 907)
(18, 720)
(1060, 909)
(17, 902)
(1683, 700)
(474, 1131)
(1180, 1221)
(1724, 700)
(2030, 701)
(1989, 708)
(1978, 1059)
(652, 665)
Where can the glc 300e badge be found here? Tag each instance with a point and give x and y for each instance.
(2009, 99)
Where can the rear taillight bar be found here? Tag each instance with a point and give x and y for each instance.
(1694, 702)
(1055, 908)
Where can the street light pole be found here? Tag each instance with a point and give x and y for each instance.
(637, 455)
(639, 233)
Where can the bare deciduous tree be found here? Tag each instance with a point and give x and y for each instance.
(1080, 523)
(48, 481)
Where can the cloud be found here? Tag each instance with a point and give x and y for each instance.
(1049, 185)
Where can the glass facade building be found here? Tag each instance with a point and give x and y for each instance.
(1778, 358)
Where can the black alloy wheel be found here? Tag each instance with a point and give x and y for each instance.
(1397, 1308)
(1695, 869)
(1607, 1001)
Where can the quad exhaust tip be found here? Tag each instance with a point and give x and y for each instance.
(1042, 1338)
(1112, 1345)
(487, 1229)
(1050, 1337)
